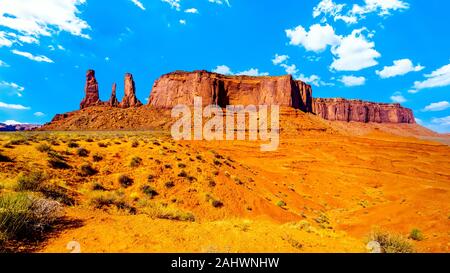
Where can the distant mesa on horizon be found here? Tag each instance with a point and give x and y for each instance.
(180, 87)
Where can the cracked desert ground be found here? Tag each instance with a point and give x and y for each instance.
(326, 188)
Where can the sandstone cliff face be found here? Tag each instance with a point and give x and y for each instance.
(130, 99)
(91, 91)
(181, 88)
(113, 102)
(361, 111)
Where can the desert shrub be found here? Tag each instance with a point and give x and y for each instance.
(135, 162)
(168, 166)
(217, 162)
(98, 187)
(44, 148)
(86, 169)
(169, 184)
(54, 143)
(183, 173)
(150, 178)
(30, 182)
(416, 235)
(135, 144)
(82, 152)
(73, 144)
(213, 201)
(89, 140)
(191, 178)
(149, 191)
(281, 203)
(4, 158)
(199, 157)
(391, 243)
(181, 165)
(57, 161)
(23, 216)
(102, 145)
(215, 173)
(97, 157)
(104, 200)
(125, 181)
(18, 141)
(163, 211)
(57, 193)
(211, 182)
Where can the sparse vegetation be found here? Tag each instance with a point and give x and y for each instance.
(181, 165)
(4, 158)
(57, 161)
(125, 181)
(163, 211)
(169, 184)
(82, 152)
(86, 169)
(149, 191)
(30, 182)
(281, 204)
(416, 235)
(44, 148)
(135, 144)
(391, 243)
(97, 157)
(23, 216)
(135, 162)
(73, 144)
(213, 201)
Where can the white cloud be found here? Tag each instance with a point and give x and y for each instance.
(351, 81)
(175, 4)
(445, 121)
(397, 97)
(183, 22)
(312, 80)
(437, 106)
(39, 114)
(223, 69)
(107, 59)
(317, 39)
(253, 72)
(220, 2)
(438, 78)
(40, 58)
(419, 121)
(399, 68)
(13, 106)
(192, 10)
(31, 19)
(355, 52)
(138, 4)
(290, 69)
(279, 59)
(12, 122)
(328, 8)
(12, 85)
(3, 64)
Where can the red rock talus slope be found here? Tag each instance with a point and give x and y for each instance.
(91, 90)
(181, 88)
(361, 111)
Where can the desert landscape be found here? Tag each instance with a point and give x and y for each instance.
(111, 178)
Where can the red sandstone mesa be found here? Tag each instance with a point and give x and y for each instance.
(91, 90)
(130, 99)
(181, 87)
(362, 111)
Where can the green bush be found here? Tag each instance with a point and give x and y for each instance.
(416, 235)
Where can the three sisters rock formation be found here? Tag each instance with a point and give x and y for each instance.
(181, 87)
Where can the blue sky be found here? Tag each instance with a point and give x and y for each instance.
(377, 50)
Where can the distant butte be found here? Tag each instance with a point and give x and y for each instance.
(181, 87)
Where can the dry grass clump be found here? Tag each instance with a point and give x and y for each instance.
(44, 148)
(213, 201)
(149, 191)
(23, 216)
(82, 152)
(135, 162)
(125, 181)
(4, 158)
(86, 169)
(106, 200)
(57, 161)
(158, 210)
(391, 243)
